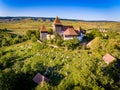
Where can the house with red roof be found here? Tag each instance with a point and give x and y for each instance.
(38, 78)
(67, 32)
(108, 58)
(43, 33)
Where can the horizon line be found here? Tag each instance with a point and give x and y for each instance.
(64, 18)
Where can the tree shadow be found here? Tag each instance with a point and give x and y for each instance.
(20, 80)
(24, 80)
(5, 30)
(10, 61)
(113, 72)
(23, 58)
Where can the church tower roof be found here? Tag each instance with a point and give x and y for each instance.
(43, 29)
(57, 21)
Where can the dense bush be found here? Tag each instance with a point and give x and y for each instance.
(59, 42)
(72, 43)
(93, 33)
(50, 31)
(7, 39)
(33, 35)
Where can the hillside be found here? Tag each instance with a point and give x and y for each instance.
(72, 69)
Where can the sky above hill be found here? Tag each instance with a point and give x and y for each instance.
(70, 9)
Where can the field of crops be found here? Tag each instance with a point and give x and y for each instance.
(21, 26)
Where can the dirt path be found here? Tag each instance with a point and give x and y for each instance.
(51, 45)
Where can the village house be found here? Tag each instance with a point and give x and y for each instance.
(43, 33)
(108, 58)
(67, 32)
(38, 78)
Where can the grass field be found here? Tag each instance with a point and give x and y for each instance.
(21, 26)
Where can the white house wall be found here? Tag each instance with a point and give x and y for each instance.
(43, 36)
(67, 38)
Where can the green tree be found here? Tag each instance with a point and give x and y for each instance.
(37, 34)
(71, 44)
(112, 34)
(28, 34)
(50, 31)
(57, 36)
(93, 34)
(59, 42)
(33, 38)
(32, 34)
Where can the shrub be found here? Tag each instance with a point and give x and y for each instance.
(59, 42)
(72, 43)
(93, 34)
(50, 31)
(32, 35)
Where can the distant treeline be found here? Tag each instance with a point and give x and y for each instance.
(33, 18)
(9, 18)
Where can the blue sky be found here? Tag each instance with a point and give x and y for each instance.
(71, 9)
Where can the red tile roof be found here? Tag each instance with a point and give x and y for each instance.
(57, 21)
(108, 58)
(80, 30)
(70, 32)
(38, 78)
(43, 29)
(66, 27)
